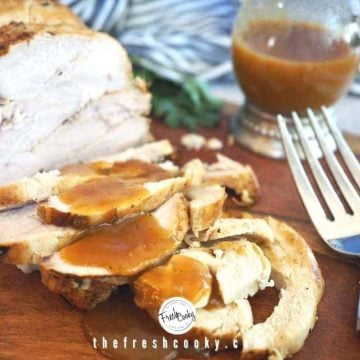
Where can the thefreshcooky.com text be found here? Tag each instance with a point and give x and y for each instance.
(164, 343)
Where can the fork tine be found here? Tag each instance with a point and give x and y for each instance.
(342, 180)
(343, 147)
(327, 190)
(307, 194)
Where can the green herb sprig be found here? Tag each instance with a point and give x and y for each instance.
(189, 105)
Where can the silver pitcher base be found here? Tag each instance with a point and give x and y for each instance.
(258, 132)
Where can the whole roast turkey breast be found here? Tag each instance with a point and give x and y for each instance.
(52, 68)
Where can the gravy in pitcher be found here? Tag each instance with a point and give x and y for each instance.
(285, 66)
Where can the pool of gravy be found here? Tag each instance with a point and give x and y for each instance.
(289, 66)
(124, 248)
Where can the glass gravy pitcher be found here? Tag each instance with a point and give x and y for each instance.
(290, 55)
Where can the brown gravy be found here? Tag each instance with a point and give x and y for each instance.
(124, 248)
(119, 317)
(113, 186)
(181, 276)
(102, 195)
(94, 168)
(284, 66)
(130, 169)
(137, 169)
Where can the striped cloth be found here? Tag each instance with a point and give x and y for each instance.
(176, 39)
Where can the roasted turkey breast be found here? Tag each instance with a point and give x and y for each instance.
(45, 184)
(298, 277)
(138, 253)
(27, 239)
(107, 125)
(65, 90)
(217, 280)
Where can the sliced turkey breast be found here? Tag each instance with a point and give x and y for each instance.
(83, 293)
(111, 139)
(47, 75)
(239, 267)
(152, 152)
(205, 204)
(128, 133)
(234, 176)
(104, 200)
(104, 126)
(257, 229)
(65, 90)
(225, 172)
(43, 185)
(216, 280)
(28, 239)
(140, 253)
(194, 170)
(123, 249)
(225, 322)
(297, 275)
(180, 276)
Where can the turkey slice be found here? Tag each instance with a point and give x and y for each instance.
(226, 322)
(104, 200)
(28, 239)
(60, 275)
(45, 184)
(205, 204)
(234, 176)
(104, 126)
(216, 280)
(297, 275)
(181, 276)
(239, 267)
(258, 229)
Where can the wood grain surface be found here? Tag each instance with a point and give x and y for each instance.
(37, 324)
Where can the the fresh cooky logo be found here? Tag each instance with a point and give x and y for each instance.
(177, 315)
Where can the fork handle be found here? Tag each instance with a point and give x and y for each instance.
(350, 244)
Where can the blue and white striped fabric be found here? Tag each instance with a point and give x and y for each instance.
(175, 39)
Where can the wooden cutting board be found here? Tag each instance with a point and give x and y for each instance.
(37, 324)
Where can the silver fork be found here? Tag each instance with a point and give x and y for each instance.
(342, 233)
